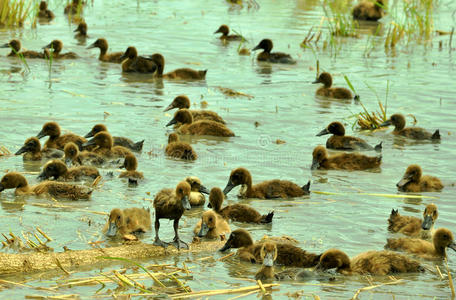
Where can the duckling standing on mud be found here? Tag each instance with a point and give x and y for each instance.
(272, 57)
(332, 92)
(416, 133)
(178, 74)
(178, 149)
(32, 150)
(102, 44)
(203, 127)
(412, 226)
(182, 101)
(57, 141)
(343, 161)
(413, 181)
(118, 140)
(127, 221)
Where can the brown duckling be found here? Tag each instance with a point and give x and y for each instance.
(441, 239)
(56, 46)
(368, 263)
(272, 57)
(270, 189)
(32, 150)
(236, 212)
(17, 181)
(102, 44)
(15, 46)
(130, 164)
(327, 91)
(412, 226)
(343, 161)
(44, 12)
(127, 221)
(118, 140)
(211, 226)
(132, 63)
(81, 30)
(74, 157)
(178, 74)
(170, 204)
(57, 170)
(340, 141)
(197, 189)
(368, 11)
(182, 101)
(74, 7)
(225, 30)
(57, 141)
(268, 254)
(105, 146)
(416, 133)
(287, 254)
(203, 127)
(178, 149)
(414, 182)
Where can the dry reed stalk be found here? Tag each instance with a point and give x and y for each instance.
(450, 280)
(367, 288)
(222, 292)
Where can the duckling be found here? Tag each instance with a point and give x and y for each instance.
(81, 30)
(74, 7)
(236, 212)
(268, 254)
(343, 161)
(178, 74)
(272, 57)
(127, 221)
(118, 140)
(57, 141)
(182, 101)
(178, 149)
(15, 46)
(59, 171)
(413, 181)
(368, 263)
(416, 133)
(340, 141)
(17, 181)
(269, 189)
(130, 164)
(203, 127)
(44, 12)
(441, 239)
(105, 146)
(327, 91)
(102, 44)
(225, 30)
(412, 226)
(133, 63)
(197, 189)
(56, 46)
(170, 204)
(211, 226)
(287, 254)
(74, 157)
(368, 11)
(32, 150)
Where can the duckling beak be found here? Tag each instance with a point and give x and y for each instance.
(228, 188)
(427, 222)
(319, 267)
(452, 245)
(218, 31)
(315, 164)
(1, 187)
(22, 150)
(316, 81)
(91, 46)
(386, 123)
(169, 107)
(257, 47)
(204, 230)
(204, 190)
(76, 30)
(323, 132)
(124, 56)
(209, 205)
(5, 45)
(112, 230)
(406, 179)
(68, 162)
(186, 203)
(41, 134)
(42, 176)
(89, 143)
(47, 46)
(89, 135)
(226, 246)
(268, 260)
(173, 121)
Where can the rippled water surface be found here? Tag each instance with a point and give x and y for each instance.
(418, 79)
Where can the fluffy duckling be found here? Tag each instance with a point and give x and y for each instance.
(178, 74)
(178, 149)
(17, 181)
(170, 204)
(368, 263)
(15, 46)
(211, 226)
(368, 11)
(416, 133)
(203, 127)
(343, 161)
(74, 7)
(327, 91)
(130, 164)
(81, 30)
(225, 30)
(74, 157)
(287, 254)
(57, 170)
(196, 196)
(118, 140)
(441, 239)
(103, 141)
(102, 44)
(236, 212)
(412, 226)
(269, 189)
(413, 181)
(182, 101)
(127, 221)
(340, 141)
(57, 141)
(268, 254)
(32, 150)
(132, 63)
(44, 13)
(56, 46)
(272, 57)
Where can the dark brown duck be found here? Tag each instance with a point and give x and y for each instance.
(131, 164)
(132, 63)
(76, 158)
(102, 44)
(44, 13)
(105, 146)
(118, 140)
(15, 46)
(182, 101)
(178, 74)
(413, 181)
(56, 46)
(272, 57)
(178, 149)
(417, 133)
(203, 127)
(225, 30)
(33, 151)
(368, 11)
(57, 170)
(343, 161)
(332, 92)
(413, 226)
(57, 141)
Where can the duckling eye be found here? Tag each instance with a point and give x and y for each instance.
(118, 217)
(210, 219)
(181, 191)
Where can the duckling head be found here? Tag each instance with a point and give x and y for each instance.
(333, 258)
(159, 60)
(335, 128)
(208, 222)
(82, 28)
(429, 216)
(173, 138)
(13, 44)
(238, 238)
(116, 220)
(183, 190)
(102, 139)
(195, 184)
(397, 120)
(130, 53)
(265, 44)
(96, 129)
(180, 101)
(43, 5)
(216, 198)
(54, 168)
(442, 239)
(71, 151)
(99, 43)
(412, 174)
(237, 177)
(130, 162)
(55, 45)
(183, 116)
(324, 78)
(319, 155)
(32, 145)
(51, 129)
(223, 29)
(12, 180)
(268, 254)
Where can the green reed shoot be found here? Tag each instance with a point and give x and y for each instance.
(22, 59)
(14, 12)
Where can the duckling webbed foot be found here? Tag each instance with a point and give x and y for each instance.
(160, 243)
(179, 244)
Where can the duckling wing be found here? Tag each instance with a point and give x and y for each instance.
(199, 115)
(416, 133)
(53, 153)
(63, 190)
(354, 143)
(137, 219)
(282, 58)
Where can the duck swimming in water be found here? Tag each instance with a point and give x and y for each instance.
(332, 92)
(343, 161)
(178, 149)
(127, 221)
(74, 7)
(44, 13)
(197, 189)
(225, 30)
(412, 226)
(268, 254)
(178, 74)
(182, 101)
(368, 11)
(32, 150)
(57, 141)
(15, 46)
(56, 46)
(118, 140)
(413, 181)
(416, 133)
(130, 164)
(203, 127)
(81, 30)
(272, 57)
(57, 170)
(270, 189)
(76, 158)
(132, 63)
(102, 44)
(211, 226)
(105, 146)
